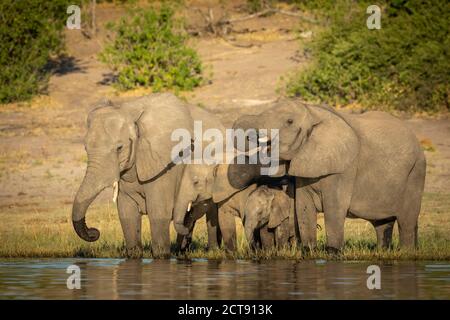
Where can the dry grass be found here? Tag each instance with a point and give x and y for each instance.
(33, 233)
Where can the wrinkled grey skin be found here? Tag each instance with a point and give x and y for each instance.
(197, 181)
(266, 214)
(268, 209)
(202, 208)
(203, 184)
(367, 166)
(131, 143)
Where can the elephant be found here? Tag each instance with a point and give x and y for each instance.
(367, 165)
(269, 208)
(207, 182)
(198, 178)
(194, 196)
(129, 147)
(267, 214)
(202, 208)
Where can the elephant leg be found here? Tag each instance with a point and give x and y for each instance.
(334, 213)
(306, 217)
(267, 238)
(130, 220)
(336, 194)
(384, 230)
(407, 230)
(227, 226)
(160, 202)
(294, 233)
(160, 236)
(212, 223)
(407, 233)
(408, 216)
(282, 234)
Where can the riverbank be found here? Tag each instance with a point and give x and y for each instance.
(48, 233)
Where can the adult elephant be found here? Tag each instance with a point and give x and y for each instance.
(368, 166)
(213, 182)
(205, 183)
(129, 147)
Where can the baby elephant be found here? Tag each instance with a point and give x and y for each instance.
(267, 214)
(208, 208)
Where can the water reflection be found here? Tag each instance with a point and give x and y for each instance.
(203, 279)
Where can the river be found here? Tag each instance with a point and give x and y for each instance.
(227, 279)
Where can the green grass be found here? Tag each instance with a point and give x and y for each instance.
(49, 233)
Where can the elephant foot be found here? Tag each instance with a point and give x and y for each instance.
(134, 253)
(333, 251)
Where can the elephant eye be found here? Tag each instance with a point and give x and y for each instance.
(120, 147)
(290, 121)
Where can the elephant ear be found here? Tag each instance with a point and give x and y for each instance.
(154, 142)
(279, 209)
(330, 147)
(231, 178)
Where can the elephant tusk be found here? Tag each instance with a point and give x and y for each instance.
(263, 139)
(115, 191)
(189, 206)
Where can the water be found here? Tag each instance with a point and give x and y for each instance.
(203, 279)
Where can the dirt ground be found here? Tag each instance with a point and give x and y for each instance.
(42, 158)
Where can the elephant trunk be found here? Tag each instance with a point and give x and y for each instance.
(183, 204)
(89, 189)
(248, 122)
(179, 214)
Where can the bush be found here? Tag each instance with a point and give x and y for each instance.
(150, 50)
(404, 65)
(30, 33)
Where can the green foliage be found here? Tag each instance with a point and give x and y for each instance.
(30, 33)
(256, 5)
(404, 65)
(150, 50)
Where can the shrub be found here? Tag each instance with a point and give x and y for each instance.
(30, 33)
(404, 65)
(150, 50)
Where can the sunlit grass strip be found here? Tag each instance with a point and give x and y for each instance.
(36, 234)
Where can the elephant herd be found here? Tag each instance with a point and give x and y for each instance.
(367, 166)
